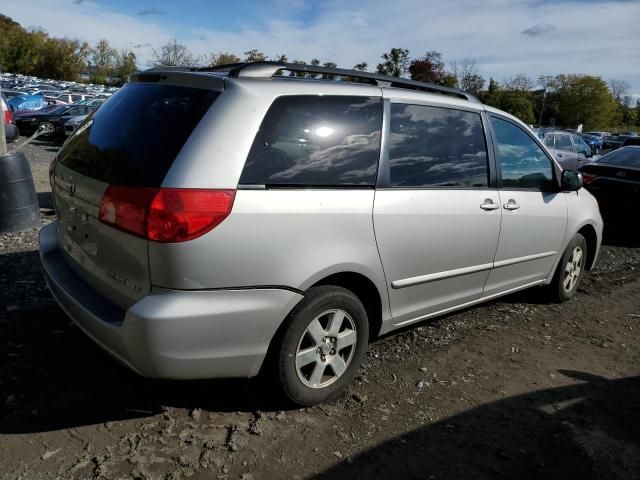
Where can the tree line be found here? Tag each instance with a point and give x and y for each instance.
(564, 100)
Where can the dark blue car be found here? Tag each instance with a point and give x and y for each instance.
(593, 141)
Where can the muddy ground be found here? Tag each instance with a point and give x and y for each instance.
(513, 389)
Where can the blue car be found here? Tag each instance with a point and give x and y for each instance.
(593, 141)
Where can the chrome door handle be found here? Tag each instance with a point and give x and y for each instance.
(489, 205)
(511, 205)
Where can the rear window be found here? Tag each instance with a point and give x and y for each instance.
(624, 157)
(316, 140)
(134, 137)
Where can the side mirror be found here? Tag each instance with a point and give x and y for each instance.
(571, 181)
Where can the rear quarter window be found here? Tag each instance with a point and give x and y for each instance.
(134, 137)
(311, 140)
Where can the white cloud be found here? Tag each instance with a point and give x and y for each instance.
(595, 38)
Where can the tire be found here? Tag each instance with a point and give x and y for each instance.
(48, 127)
(563, 288)
(311, 336)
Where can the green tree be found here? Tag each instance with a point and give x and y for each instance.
(361, 66)
(104, 57)
(517, 105)
(583, 99)
(125, 65)
(254, 56)
(221, 58)
(396, 62)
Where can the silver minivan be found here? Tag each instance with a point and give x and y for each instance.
(275, 218)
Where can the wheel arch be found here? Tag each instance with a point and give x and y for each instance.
(589, 233)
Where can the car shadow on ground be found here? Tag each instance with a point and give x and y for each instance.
(621, 235)
(54, 377)
(582, 431)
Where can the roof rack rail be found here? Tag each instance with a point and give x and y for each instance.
(270, 69)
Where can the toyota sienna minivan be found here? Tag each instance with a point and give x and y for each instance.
(213, 223)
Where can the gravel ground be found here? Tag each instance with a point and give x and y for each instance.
(513, 389)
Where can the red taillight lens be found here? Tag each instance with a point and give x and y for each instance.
(165, 214)
(7, 117)
(587, 178)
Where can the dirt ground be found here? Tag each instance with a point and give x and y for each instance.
(512, 389)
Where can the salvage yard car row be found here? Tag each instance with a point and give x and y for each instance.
(35, 103)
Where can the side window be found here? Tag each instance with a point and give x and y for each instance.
(311, 140)
(436, 147)
(563, 142)
(522, 162)
(549, 140)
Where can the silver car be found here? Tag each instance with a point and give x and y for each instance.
(235, 221)
(570, 150)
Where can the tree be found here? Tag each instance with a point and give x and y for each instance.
(221, 58)
(517, 105)
(583, 99)
(126, 64)
(254, 56)
(361, 66)
(173, 54)
(395, 62)
(519, 83)
(104, 57)
(468, 76)
(619, 89)
(430, 68)
(328, 76)
(281, 58)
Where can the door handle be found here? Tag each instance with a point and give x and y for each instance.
(511, 205)
(489, 205)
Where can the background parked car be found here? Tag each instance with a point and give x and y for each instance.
(631, 141)
(26, 102)
(594, 142)
(11, 132)
(614, 179)
(614, 141)
(71, 124)
(568, 148)
(50, 119)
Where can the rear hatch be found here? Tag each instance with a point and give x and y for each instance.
(131, 141)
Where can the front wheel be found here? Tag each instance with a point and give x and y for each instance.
(48, 129)
(570, 270)
(323, 346)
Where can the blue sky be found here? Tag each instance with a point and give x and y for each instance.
(506, 37)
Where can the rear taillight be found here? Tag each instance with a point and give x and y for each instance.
(165, 215)
(7, 117)
(587, 178)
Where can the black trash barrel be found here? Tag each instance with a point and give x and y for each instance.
(19, 209)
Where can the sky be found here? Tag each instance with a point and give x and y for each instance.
(505, 37)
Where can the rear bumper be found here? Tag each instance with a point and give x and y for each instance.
(173, 333)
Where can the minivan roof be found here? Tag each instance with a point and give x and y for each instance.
(275, 69)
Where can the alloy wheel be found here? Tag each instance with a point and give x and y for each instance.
(326, 348)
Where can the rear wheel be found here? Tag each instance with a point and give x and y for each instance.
(323, 345)
(570, 270)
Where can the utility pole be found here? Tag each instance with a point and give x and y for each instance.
(544, 97)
